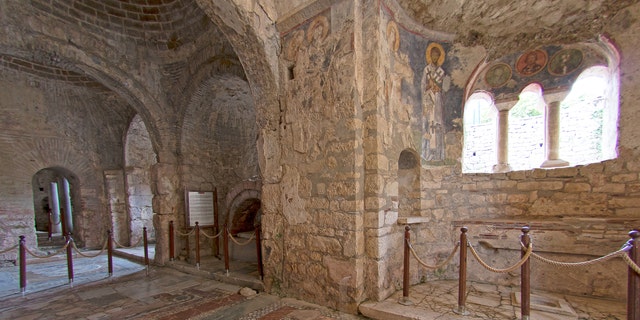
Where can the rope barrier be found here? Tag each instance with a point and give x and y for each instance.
(186, 234)
(631, 264)
(506, 270)
(90, 256)
(239, 243)
(437, 266)
(210, 237)
(49, 255)
(51, 219)
(581, 263)
(123, 246)
(7, 250)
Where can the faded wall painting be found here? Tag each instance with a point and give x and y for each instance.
(420, 77)
(433, 91)
(565, 61)
(552, 67)
(531, 62)
(498, 75)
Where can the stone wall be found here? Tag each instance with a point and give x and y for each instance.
(52, 124)
(319, 230)
(592, 205)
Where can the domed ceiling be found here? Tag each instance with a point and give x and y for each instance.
(507, 26)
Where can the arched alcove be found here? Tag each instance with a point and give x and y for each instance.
(408, 183)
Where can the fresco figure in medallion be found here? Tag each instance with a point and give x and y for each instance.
(434, 84)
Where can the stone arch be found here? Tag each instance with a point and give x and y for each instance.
(242, 194)
(259, 61)
(243, 217)
(67, 56)
(42, 183)
(257, 46)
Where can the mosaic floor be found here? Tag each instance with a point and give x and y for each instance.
(177, 292)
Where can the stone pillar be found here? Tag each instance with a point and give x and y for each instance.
(54, 204)
(552, 131)
(503, 138)
(68, 215)
(167, 205)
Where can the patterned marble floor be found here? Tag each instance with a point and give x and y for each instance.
(164, 293)
(439, 299)
(182, 292)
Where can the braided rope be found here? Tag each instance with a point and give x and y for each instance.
(90, 256)
(506, 270)
(49, 255)
(186, 234)
(631, 264)
(437, 266)
(241, 243)
(210, 237)
(582, 263)
(51, 220)
(131, 246)
(7, 250)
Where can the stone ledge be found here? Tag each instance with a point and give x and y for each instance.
(412, 220)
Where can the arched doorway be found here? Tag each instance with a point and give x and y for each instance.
(55, 194)
(244, 216)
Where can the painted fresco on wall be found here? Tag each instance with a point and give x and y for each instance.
(498, 75)
(420, 75)
(433, 95)
(531, 62)
(557, 72)
(565, 61)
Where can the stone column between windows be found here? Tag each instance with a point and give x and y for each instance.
(503, 138)
(552, 131)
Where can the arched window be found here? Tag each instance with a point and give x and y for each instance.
(480, 125)
(527, 129)
(584, 114)
(566, 115)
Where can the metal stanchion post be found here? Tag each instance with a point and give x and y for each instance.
(70, 258)
(216, 224)
(405, 279)
(146, 248)
(197, 245)
(172, 250)
(110, 252)
(462, 274)
(525, 277)
(50, 227)
(23, 265)
(633, 284)
(226, 249)
(259, 252)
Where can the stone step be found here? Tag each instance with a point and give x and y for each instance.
(55, 241)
